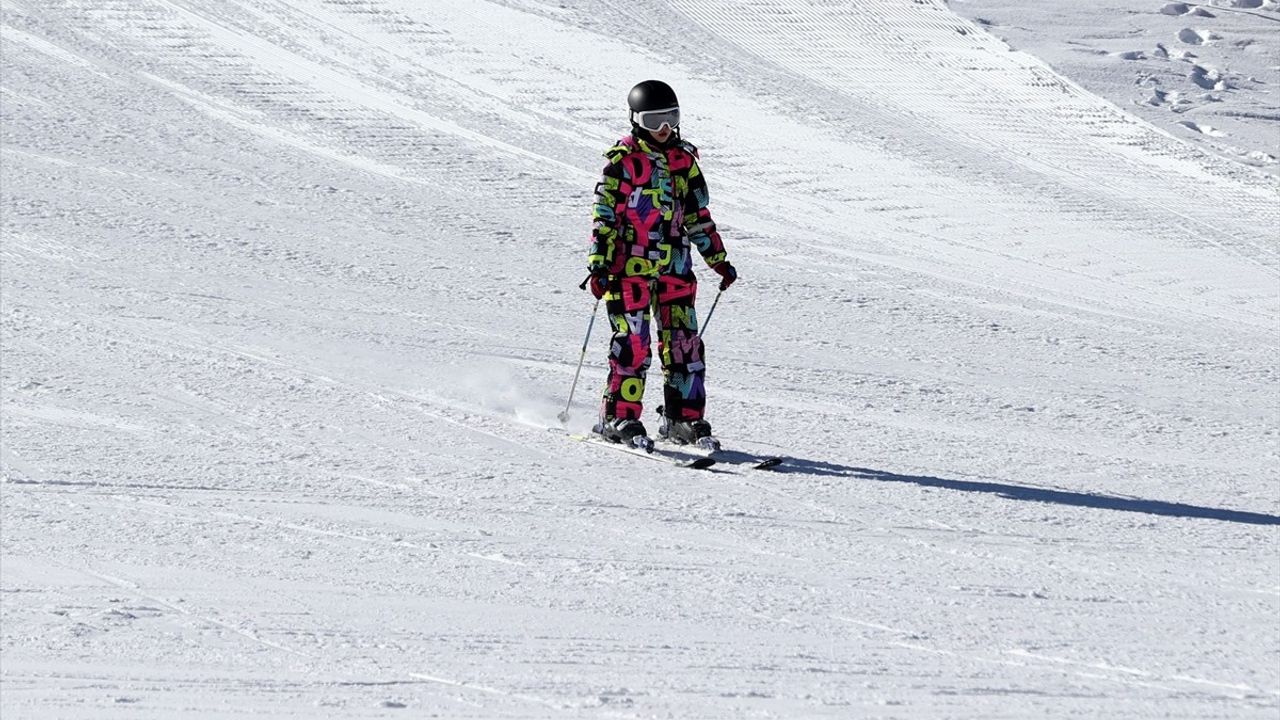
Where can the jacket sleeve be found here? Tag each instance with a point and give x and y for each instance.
(607, 214)
(698, 224)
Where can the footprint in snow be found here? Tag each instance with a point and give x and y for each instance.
(1209, 79)
(1185, 9)
(1158, 97)
(1197, 37)
(1202, 129)
(1174, 99)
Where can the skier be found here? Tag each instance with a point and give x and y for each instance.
(650, 210)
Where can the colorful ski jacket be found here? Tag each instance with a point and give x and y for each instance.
(650, 209)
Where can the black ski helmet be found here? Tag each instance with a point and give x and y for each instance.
(651, 95)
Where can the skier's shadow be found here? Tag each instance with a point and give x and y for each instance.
(1035, 494)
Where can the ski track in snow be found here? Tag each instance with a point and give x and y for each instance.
(289, 302)
(1201, 71)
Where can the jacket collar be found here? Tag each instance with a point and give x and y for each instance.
(649, 145)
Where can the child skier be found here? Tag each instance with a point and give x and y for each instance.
(650, 209)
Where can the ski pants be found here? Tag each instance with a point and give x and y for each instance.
(632, 303)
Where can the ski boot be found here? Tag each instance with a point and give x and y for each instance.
(627, 432)
(688, 432)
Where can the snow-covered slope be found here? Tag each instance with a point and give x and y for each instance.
(289, 303)
(1206, 72)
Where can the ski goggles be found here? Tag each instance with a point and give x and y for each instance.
(653, 120)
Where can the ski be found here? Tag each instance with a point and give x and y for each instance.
(709, 446)
(731, 457)
(751, 462)
(693, 462)
(767, 463)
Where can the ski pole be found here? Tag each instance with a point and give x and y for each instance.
(710, 312)
(564, 416)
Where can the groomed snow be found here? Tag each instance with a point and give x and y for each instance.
(1208, 73)
(289, 305)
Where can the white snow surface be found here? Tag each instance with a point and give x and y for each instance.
(289, 305)
(1207, 72)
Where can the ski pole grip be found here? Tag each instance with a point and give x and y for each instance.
(585, 280)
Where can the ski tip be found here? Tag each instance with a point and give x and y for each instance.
(768, 463)
(701, 463)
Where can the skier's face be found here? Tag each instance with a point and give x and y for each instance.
(662, 135)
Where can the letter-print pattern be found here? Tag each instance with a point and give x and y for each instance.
(650, 213)
(632, 303)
